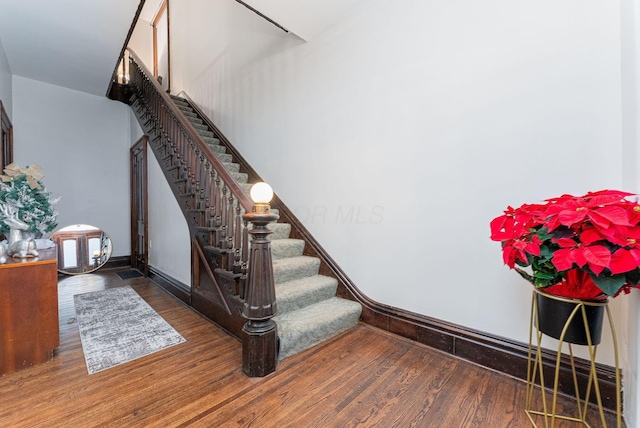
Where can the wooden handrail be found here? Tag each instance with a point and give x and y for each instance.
(225, 176)
(124, 46)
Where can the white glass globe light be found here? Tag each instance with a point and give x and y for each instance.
(261, 193)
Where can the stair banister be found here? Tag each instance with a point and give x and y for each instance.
(204, 177)
(224, 175)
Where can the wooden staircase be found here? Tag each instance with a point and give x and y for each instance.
(211, 181)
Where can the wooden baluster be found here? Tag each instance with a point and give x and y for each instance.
(223, 229)
(245, 259)
(237, 245)
(230, 232)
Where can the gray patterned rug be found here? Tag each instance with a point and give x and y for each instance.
(117, 325)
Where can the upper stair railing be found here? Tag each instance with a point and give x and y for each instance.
(209, 186)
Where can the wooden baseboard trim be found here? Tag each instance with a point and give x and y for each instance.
(118, 262)
(178, 289)
(490, 351)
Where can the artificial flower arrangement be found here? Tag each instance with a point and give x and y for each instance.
(582, 247)
(21, 189)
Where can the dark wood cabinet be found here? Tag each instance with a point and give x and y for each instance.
(29, 328)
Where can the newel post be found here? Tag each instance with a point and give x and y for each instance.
(259, 334)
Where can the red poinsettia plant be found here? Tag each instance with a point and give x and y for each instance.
(583, 247)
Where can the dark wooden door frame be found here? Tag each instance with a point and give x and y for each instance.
(162, 10)
(6, 139)
(139, 206)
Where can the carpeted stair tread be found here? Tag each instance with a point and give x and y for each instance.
(313, 324)
(203, 133)
(200, 127)
(195, 120)
(183, 105)
(224, 157)
(217, 149)
(283, 248)
(188, 112)
(295, 268)
(232, 167)
(240, 177)
(296, 294)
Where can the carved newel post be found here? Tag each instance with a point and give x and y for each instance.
(259, 334)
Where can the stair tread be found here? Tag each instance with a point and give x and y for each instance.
(296, 294)
(224, 157)
(240, 177)
(291, 268)
(301, 329)
(231, 166)
(287, 247)
(200, 126)
(217, 149)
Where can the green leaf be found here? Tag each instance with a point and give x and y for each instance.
(545, 254)
(525, 275)
(543, 275)
(609, 284)
(633, 277)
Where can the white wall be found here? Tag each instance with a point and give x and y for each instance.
(629, 318)
(82, 142)
(169, 238)
(398, 134)
(6, 95)
(142, 42)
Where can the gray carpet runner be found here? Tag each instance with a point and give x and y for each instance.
(308, 310)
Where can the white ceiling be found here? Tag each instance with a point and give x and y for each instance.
(69, 43)
(76, 43)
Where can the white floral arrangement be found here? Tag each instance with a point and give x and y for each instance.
(22, 191)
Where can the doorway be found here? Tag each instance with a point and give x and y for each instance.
(139, 207)
(6, 139)
(161, 47)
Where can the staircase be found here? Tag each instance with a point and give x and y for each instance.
(213, 201)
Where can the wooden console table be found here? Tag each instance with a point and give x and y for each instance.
(29, 329)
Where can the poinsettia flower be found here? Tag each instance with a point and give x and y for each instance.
(598, 257)
(633, 212)
(596, 234)
(609, 215)
(565, 242)
(622, 261)
(563, 259)
(590, 235)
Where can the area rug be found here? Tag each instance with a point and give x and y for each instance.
(117, 326)
(128, 274)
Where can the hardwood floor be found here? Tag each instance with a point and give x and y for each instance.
(362, 378)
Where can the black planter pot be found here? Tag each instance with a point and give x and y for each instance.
(553, 315)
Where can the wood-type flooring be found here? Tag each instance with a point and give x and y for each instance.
(362, 378)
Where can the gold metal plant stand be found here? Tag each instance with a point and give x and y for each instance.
(535, 367)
